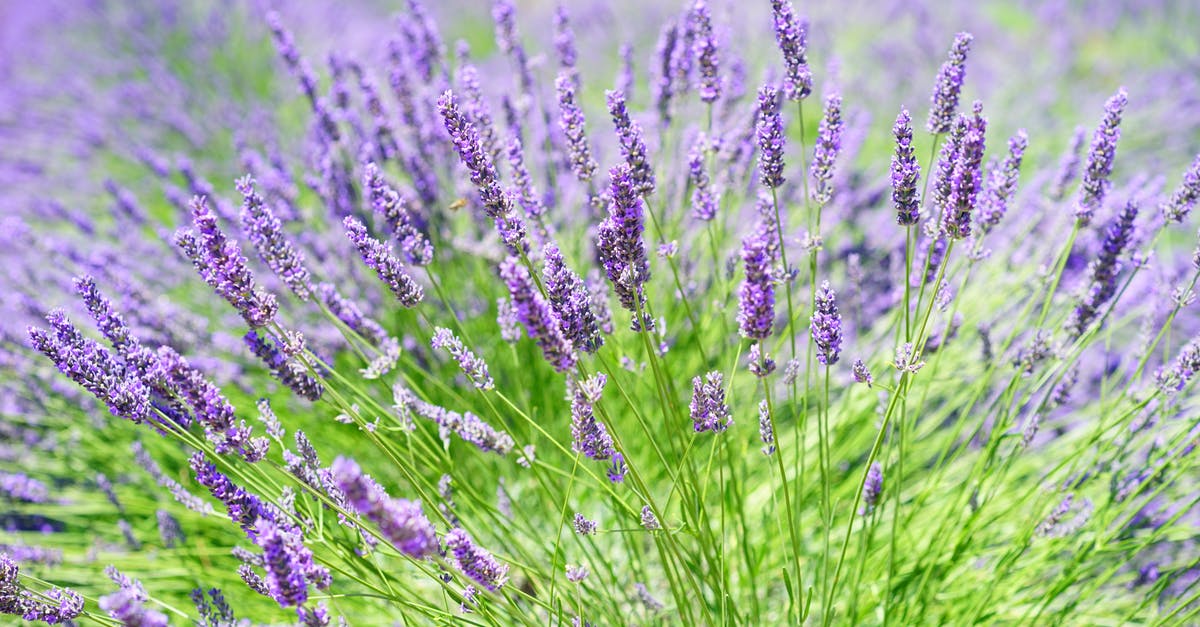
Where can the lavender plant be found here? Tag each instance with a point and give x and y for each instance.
(386, 344)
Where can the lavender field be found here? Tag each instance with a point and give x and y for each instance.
(671, 312)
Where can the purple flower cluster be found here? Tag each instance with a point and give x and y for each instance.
(769, 133)
(402, 522)
(1177, 208)
(284, 367)
(414, 246)
(1102, 273)
(791, 33)
(620, 245)
(704, 197)
(966, 179)
(872, 488)
(633, 145)
(53, 606)
(756, 296)
(377, 257)
(829, 144)
(906, 173)
(948, 86)
(475, 368)
(475, 562)
(589, 436)
(708, 409)
(572, 121)
(704, 48)
(541, 322)
(266, 233)
(1002, 183)
(571, 302)
(827, 326)
(1095, 184)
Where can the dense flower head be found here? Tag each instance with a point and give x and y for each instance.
(906, 173)
(966, 179)
(704, 197)
(475, 562)
(829, 144)
(633, 144)
(526, 192)
(704, 48)
(402, 522)
(766, 431)
(1002, 183)
(284, 368)
(377, 257)
(946, 90)
(769, 133)
(1102, 272)
(791, 33)
(53, 606)
(541, 322)
(861, 373)
(474, 367)
(664, 87)
(391, 206)
(708, 409)
(1187, 364)
(756, 296)
(571, 120)
(221, 264)
(572, 303)
(827, 326)
(1180, 204)
(266, 233)
(620, 242)
(1095, 184)
(872, 487)
(286, 559)
(588, 435)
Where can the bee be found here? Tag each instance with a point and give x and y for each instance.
(458, 204)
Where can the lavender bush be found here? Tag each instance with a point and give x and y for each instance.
(399, 326)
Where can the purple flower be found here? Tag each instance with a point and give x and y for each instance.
(766, 432)
(704, 47)
(827, 326)
(625, 79)
(965, 182)
(571, 302)
(377, 257)
(475, 368)
(529, 198)
(467, 426)
(617, 469)
(348, 312)
(286, 559)
(496, 203)
(791, 33)
(539, 319)
(1068, 165)
(583, 526)
(649, 520)
(474, 562)
(829, 144)
(221, 264)
(564, 40)
(22, 488)
(1002, 183)
(704, 198)
(386, 202)
(266, 233)
(402, 522)
(906, 173)
(1102, 273)
(571, 121)
(872, 488)
(942, 176)
(760, 362)
(756, 296)
(664, 89)
(1100, 156)
(128, 603)
(860, 373)
(633, 144)
(1185, 196)
(1187, 363)
(708, 409)
(619, 242)
(769, 132)
(944, 102)
(288, 372)
(53, 606)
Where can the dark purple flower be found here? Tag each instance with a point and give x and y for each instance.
(906, 173)
(827, 326)
(769, 131)
(704, 47)
(1185, 196)
(621, 247)
(829, 144)
(589, 436)
(760, 361)
(791, 33)
(376, 255)
(756, 296)
(708, 409)
(53, 606)
(860, 372)
(569, 297)
(266, 233)
(944, 102)
(414, 246)
(402, 522)
(128, 603)
(286, 559)
(539, 319)
(475, 368)
(966, 179)
(221, 264)
(474, 562)
(583, 526)
(285, 369)
(633, 144)
(1102, 273)
(1100, 156)
(571, 121)
(1002, 183)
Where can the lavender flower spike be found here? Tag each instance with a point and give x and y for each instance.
(766, 432)
(288, 372)
(1002, 183)
(391, 206)
(266, 233)
(633, 144)
(286, 559)
(704, 47)
(571, 121)
(1185, 196)
(708, 409)
(827, 326)
(474, 562)
(872, 488)
(56, 605)
(704, 197)
(571, 301)
(1102, 273)
(1095, 184)
(944, 102)
(829, 144)
(619, 242)
(400, 521)
(475, 368)
(1187, 364)
(967, 177)
(769, 132)
(376, 255)
(588, 435)
(906, 173)
(539, 319)
(221, 265)
(791, 34)
(756, 296)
